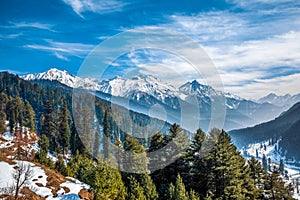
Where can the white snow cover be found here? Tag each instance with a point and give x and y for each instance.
(150, 85)
(39, 176)
(65, 78)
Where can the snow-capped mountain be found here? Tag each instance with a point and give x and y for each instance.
(284, 100)
(141, 88)
(145, 91)
(205, 92)
(65, 78)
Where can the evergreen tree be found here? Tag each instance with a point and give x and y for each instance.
(155, 151)
(281, 167)
(228, 176)
(29, 116)
(275, 187)
(149, 187)
(107, 183)
(107, 136)
(48, 125)
(178, 191)
(135, 158)
(193, 195)
(135, 191)
(257, 174)
(269, 164)
(265, 163)
(64, 129)
(43, 152)
(256, 152)
(3, 102)
(60, 166)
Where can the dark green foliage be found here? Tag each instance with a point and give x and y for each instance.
(48, 124)
(178, 191)
(275, 188)
(60, 166)
(64, 129)
(135, 191)
(29, 116)
(107, 183)
(257, 174)
(43, 152)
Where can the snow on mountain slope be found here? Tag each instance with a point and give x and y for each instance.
(65, 78)
(205, 92)
(139, 86)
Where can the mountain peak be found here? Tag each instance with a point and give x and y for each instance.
(64, 77)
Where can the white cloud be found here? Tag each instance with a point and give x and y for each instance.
(62, 49)
(32, 25)
(281, 50)
(61, 56)
(97, 6)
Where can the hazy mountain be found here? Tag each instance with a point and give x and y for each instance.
(285, 100)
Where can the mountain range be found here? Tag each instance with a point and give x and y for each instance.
(285, 101)
(146, 91)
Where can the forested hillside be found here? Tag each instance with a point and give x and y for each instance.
(207, 166)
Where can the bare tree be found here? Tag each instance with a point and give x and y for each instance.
(22, 174)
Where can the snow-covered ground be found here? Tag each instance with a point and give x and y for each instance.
(38, 182)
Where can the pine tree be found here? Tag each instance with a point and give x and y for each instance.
(256, 152)
(178, 191)
(135, 191)
(148, 186)
(60, 166)
(135, 158)
(269, 164)
(107, 183)
(156, 152)
(107, 136)
(228, 176)
(265, 163)
(48, 125)
(281, 167)
(64, 129)
(275, 187)
(193, 195)
(257, 174)
(43, 152)
(29, 116)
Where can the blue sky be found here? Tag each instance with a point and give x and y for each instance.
(253, 44)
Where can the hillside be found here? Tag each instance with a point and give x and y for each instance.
(42, 183)
(285, 127)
